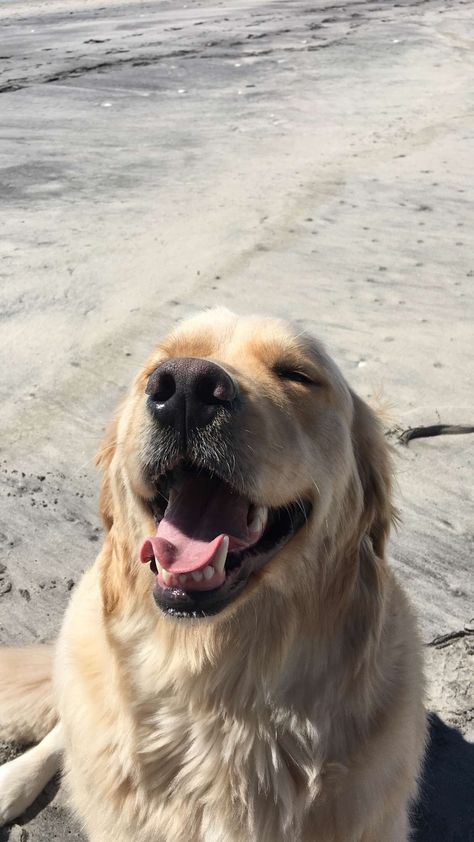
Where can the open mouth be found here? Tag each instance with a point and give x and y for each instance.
(210, 539)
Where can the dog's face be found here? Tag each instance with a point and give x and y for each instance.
(239, 452)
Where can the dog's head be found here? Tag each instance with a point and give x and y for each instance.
(240, 467)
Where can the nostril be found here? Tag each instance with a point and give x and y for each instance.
(161, 386)
(210, 389)
(225, 390)
(204, 389)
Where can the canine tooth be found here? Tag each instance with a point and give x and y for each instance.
(197, 575)
(166, 576)
(208, 572)
(259, 519)
(183, 578)
(219, 561)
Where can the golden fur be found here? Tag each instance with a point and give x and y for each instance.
(295, 715)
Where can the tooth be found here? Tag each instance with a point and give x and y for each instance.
(197, 575)
(259, 519)
(208, 572)
(183, 578)
(166, 576)
(219, 560)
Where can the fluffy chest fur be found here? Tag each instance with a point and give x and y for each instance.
(206, 748)
(249, 777)
(178, 756)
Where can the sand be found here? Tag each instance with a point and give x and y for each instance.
(306, 159)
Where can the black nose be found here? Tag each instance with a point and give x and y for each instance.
(187, 393)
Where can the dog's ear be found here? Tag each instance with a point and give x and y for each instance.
(103, 460)
(375, 471)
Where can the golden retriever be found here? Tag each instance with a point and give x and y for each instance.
(240, 664)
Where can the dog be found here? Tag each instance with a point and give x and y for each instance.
(240, 664)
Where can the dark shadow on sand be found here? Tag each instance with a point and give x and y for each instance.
(445, 808)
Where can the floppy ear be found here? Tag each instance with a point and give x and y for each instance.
(103, 459)
(375, 471)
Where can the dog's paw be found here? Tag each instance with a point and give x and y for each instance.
(17, 789)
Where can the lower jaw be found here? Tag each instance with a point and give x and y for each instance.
(201, 604)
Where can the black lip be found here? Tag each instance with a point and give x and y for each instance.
(199, 604)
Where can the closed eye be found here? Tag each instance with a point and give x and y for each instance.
(295, 375)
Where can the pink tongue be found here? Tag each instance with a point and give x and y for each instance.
(194, 525)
